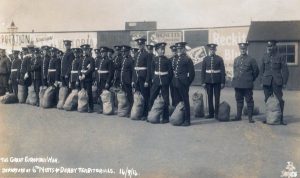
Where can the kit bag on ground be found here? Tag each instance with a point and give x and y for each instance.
(41, 95)
(273, 110)
(198, 104)
(83, 101)
(22, 93)
(156, 110)
(138, 106)
(9, 98)
(255, 111)
(50, 97)
(177, 116)
(224, 112)
(71, 101)
(31, 98)
(108, 102)
(62, 96)
(95, 94)
(123, 104)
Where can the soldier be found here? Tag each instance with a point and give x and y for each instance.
(54, 68)
(74, 79)
(104, 72)
(245, 71)
(173, 59)
(4, 72)
(36, 71)
(161, 70)
(141, 74)
(275, 75)
(45, 64)
(110, 53)
(60, 54)
(87, 68)
(126, 73)
(117, 66)
(184, 74)
(149, 49)
(133, 52)
(66, 63)
(15, 71)
(213, 79)
(25, 76)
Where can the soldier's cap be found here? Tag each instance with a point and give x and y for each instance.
(24, 49)
(212, 45)
(76, 50)
(111, 50)
(173, 48)
(67, 42)
(53, 49)
(14, 51)
(117, 47)
(60, 52)
(160, 45)
(140, 41)
(243, 45)
(30, 47)
(271, 43)
(125, 48)
(103, 49)
(180, 45)
(37, 50)
(45, 47)
(134, 50)
(85, 47)
(149, 47)
(97, 50)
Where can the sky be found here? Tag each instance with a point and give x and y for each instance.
(94, 15)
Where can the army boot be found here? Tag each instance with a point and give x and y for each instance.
(281, 117)
(250, 112)
(239, 110)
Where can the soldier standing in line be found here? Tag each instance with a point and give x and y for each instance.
(4, 72)
(36, 71)
(141, 74)
(184, 74)
(161, 70)
(213, 79)
(149, 49)
(74, 78)
(87, 68)
(45, 65)
(117, 66)
(25, 77)
(66, 64)
(110, 53)
(54, 68)
(15, 72)
(245, 71)
(133, 52)
(173, 59)
(275, 75)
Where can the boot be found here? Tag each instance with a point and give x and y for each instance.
(250, 112)
(239, 110)
(281, 118)
(186, 123)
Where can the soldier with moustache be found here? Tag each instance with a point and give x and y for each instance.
(25, 76)
(75, 69)
(117, 61)
(66, 63)
(173, 59)
(15, 71)
(213, 79)
(53, 68)
(87, 68)
(141, 75)
(45, 64)
(161, 70)
(36, 72)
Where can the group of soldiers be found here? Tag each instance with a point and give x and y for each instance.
(138, 69)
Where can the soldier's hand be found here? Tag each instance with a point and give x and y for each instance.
(69, 85)
(66, 76)
(222, 85)
(203, 85)
(9, 81)
(146, 84)
(132, 84)
(56, 83)
(106, 86)
(77, 84)
(26, 75)
(83, 77)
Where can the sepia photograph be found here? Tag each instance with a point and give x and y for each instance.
(149, 88)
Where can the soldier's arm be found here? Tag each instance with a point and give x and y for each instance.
(170, 71)
(191, 70)
(223, 74)
(255, 69)
(111, 71)
(92, 67)
(203, 69)
(262, 70)
(284, 71)
(57, 67)
(149, 66)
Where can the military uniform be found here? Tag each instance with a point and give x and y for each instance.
(213, 75)
(245, 71)
(66, 64)
(45, 65)
(4, 72)
(117, 61)
(161, 70)
(75, 69)
(54, 68)
(25, 70)
(173, 59)
(184, 74)
(275, 74)
(36, 68)
(15, 73)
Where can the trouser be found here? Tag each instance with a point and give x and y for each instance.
(36, 85)
(14, 86)
(213, 89)
(45, 82)
(164, 91)
(145, 91)
(87, 85)
(64, 81)
(182, 91)
(100, 88)
(174, 98)
(128, 92)
(240, 94)
(3, 84)
(74, 86)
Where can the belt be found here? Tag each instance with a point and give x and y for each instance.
(14, 70)
(74, 71)
(161, 73)
(83, 71)
(140, 68)
(213, 71)
(103, 71)
(51, 70)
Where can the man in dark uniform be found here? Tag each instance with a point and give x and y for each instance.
(213, 79)
(75, 69)
(4, 72)
(141, 74)
(127, 64)
(133, 52)
(110, 53)
(117, 66)
(36, 70)
(60, 54)
(161, 70)
(45, 64)
(184, 74)
(54, 68)
(66, 64)
(275, 75)
(173, 59)
(15, 71)
(25, 77)
(87, 68)
(149, 49)
(245, 71)
(104, 72)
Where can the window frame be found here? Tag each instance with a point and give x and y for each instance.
(296, 51)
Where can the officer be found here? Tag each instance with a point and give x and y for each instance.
(184, 74)
(25, 76)
(245, 71)
(141, 74)
(161, 70)
(149, 49)
(45, 64)
(275, 75)
(173, 59)
(213, 79)
(15, 71)
(4, 72)
(75, 69)
(54, 68)
(87, 68)
(66, 63)
(117, 66)
(36, 70)
(104, 72)
(133, 52)
(127, 64)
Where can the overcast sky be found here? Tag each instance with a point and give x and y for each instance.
(81, 15)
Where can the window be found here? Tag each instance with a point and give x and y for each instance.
(290, 51)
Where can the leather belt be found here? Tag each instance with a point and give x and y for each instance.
(161, 73)
(74, 71)
(103, 71)
(140, 68)
(213, 71)
(51, 70)
(14, 70)
(83, 71)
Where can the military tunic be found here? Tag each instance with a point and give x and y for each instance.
(53, 70)
(126, 77)
(15, 74)
(66, 65)
(36, 73)
(75, 72)
(45, 66)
